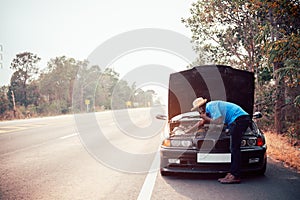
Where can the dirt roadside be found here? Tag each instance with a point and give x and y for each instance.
(280, 148)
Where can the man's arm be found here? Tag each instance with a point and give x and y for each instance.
(208, 120)
(195, 126)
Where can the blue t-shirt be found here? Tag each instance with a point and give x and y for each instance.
(228, 111)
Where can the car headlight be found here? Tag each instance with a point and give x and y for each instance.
(243, 143)
(251, 142)
(186, 143)
(177, 143)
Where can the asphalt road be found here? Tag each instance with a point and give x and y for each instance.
(112, 155)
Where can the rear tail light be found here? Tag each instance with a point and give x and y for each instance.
(260, 142)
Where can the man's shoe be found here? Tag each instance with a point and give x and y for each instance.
(230, 179)
(227, 175)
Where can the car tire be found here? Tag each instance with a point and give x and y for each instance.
(262, 170)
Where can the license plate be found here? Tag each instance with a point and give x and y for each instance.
(213, 157)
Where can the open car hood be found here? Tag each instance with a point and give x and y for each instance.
(213, 82)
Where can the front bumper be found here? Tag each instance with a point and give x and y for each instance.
(188, 161)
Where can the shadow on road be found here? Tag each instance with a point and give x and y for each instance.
(277, 183)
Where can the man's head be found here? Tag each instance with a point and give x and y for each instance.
(199, 104)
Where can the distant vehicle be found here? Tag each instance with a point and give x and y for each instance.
(207, 150)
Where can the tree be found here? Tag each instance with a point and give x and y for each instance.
(25, 66)
(4, 102)
(57, 82)
(149, 97)
(18, 89)
(279, 26)
(252, 35)
(121, 94)
(33, 94)
(85, 87)
(106, 85)
(226, 31)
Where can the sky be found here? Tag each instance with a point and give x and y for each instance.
(74, 29)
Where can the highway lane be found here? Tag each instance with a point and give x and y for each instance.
(19, 134)
(47, 158)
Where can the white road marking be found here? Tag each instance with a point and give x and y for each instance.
(68, 136)
(36, 145)
(147, 189)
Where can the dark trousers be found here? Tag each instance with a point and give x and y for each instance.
(237, 128)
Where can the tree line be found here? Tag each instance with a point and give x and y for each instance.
(255, 35)
(66, 85)
(259, 36)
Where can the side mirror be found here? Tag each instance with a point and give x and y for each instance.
(257, 115)
(161, 117)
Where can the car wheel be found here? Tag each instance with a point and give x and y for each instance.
(262, 170)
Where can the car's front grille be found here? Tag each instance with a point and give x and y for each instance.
(205, 144)
(223, 144)
(214, 144)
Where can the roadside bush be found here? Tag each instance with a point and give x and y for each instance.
(293, 133)
(264, 103)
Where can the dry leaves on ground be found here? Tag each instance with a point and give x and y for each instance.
(280, 148)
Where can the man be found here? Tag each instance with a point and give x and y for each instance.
(238, 120)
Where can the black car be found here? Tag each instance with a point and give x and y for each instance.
(207, 150)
